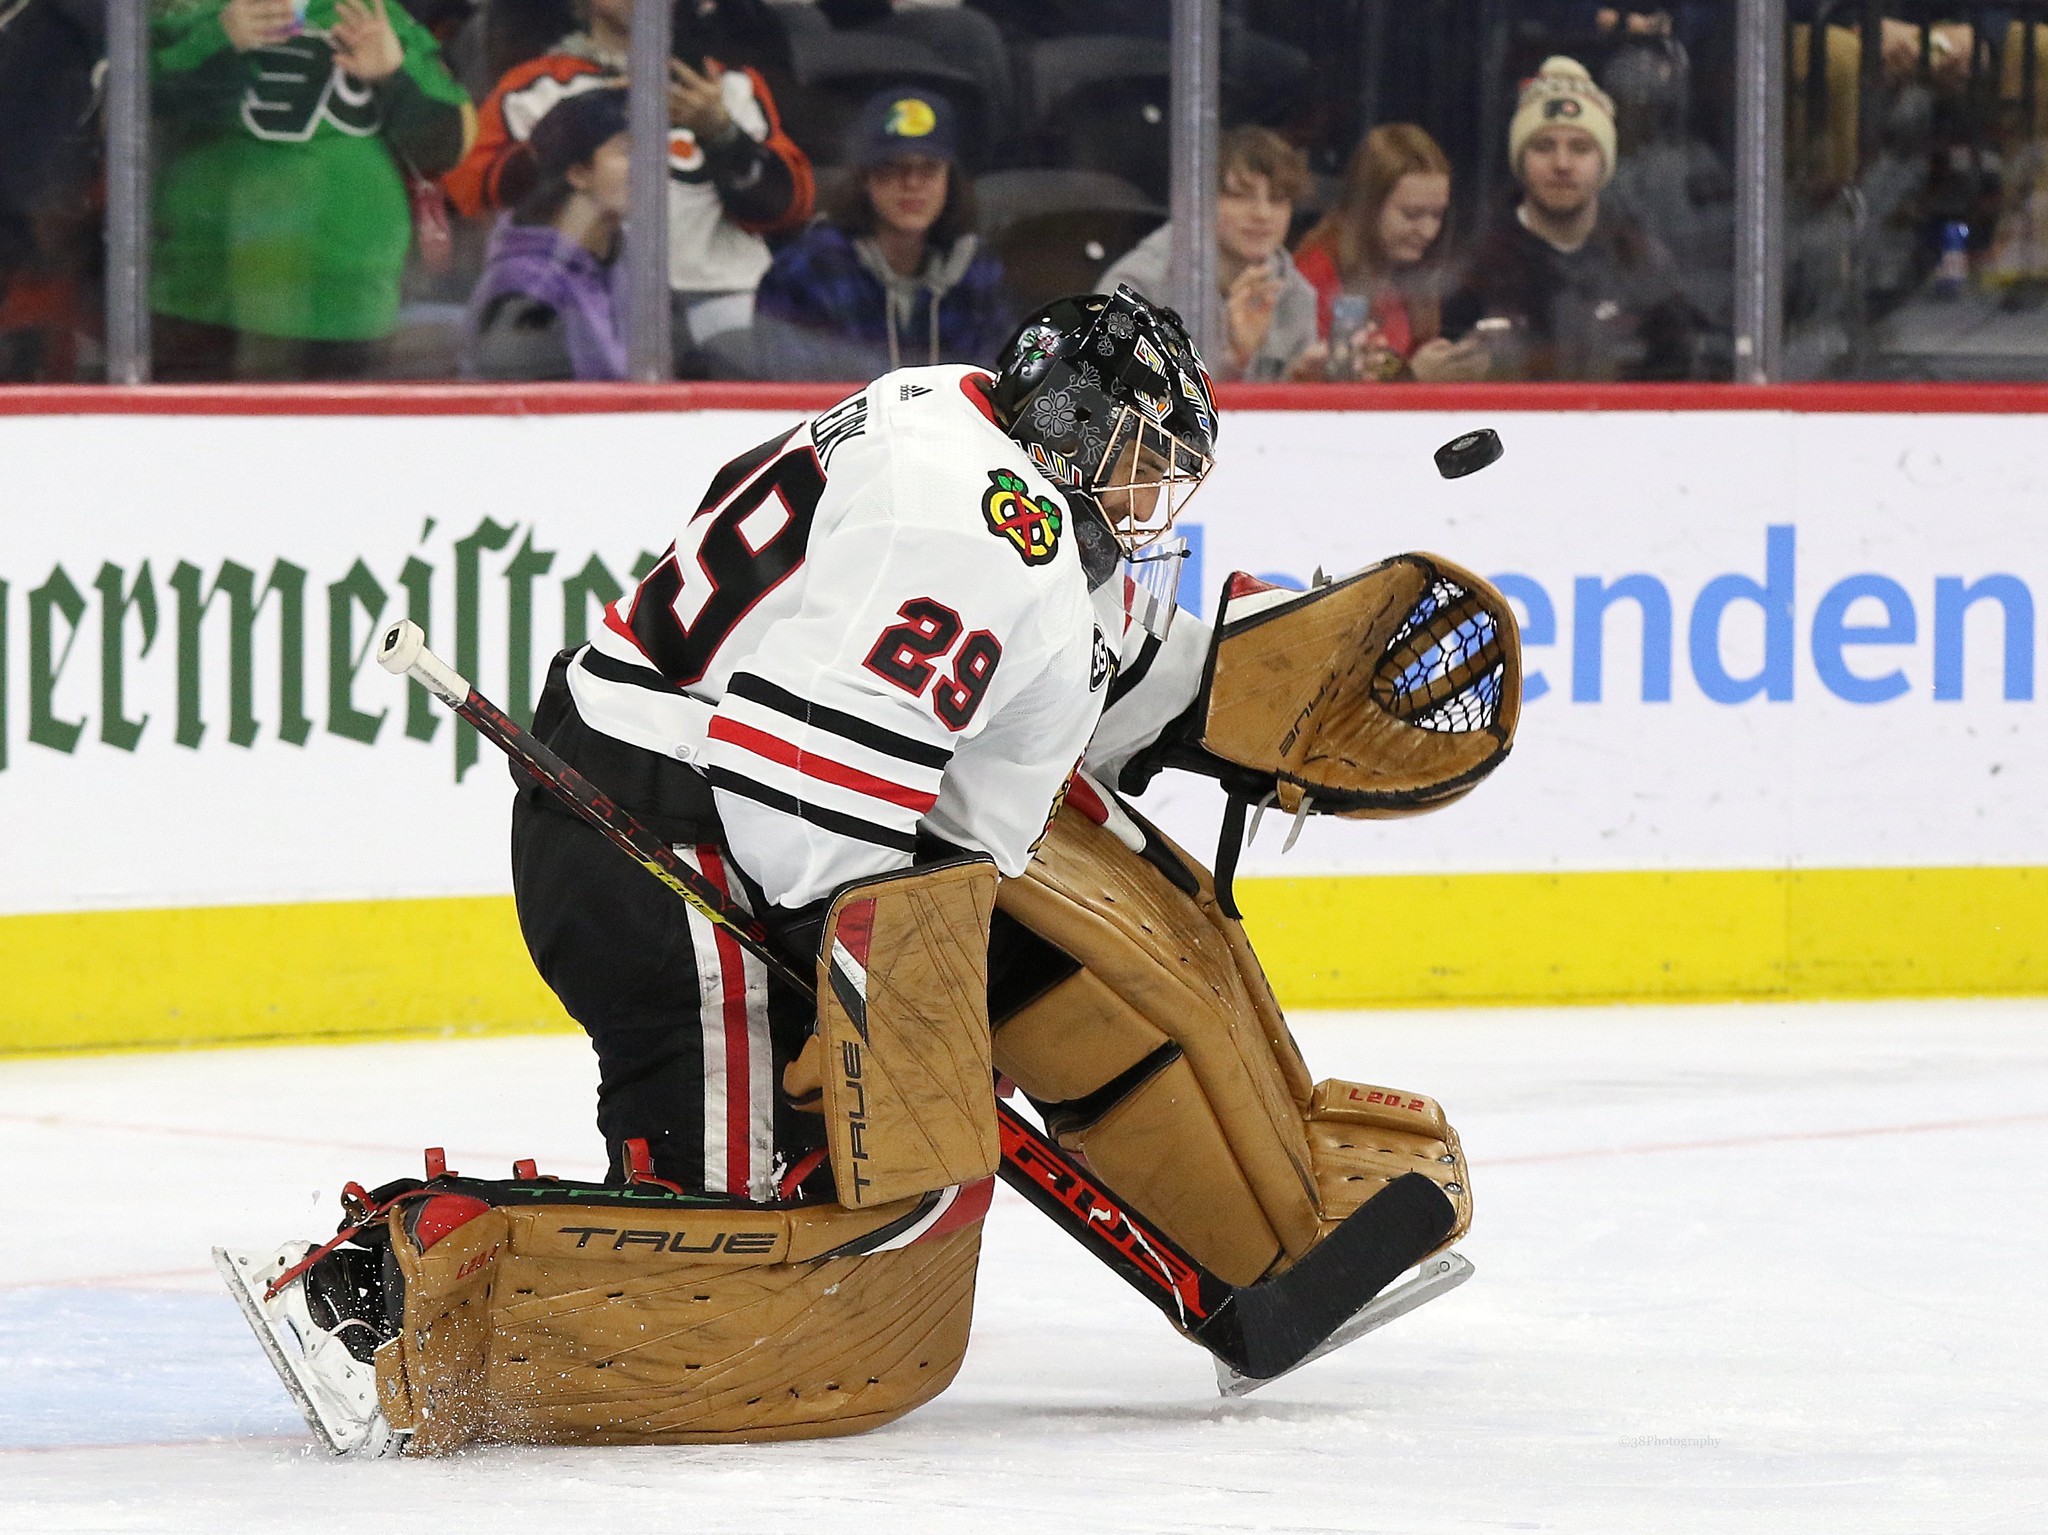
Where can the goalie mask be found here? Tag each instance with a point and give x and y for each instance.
(1109, 397)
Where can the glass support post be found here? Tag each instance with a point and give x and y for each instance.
(1760, 89)
(1197, 33)
(649, 355)
(127, 127)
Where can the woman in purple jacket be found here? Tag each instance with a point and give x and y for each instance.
(549, 304)
(891, 275)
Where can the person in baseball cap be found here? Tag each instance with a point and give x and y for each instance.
(574, 129)
(548, 303)
(892, 274)
(903, 125)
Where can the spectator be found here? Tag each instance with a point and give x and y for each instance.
(282, 219)
(1577, 289)
(548, 305)
(734, 175)
(1672, 182)
(1269, 309)
(50, 223)
(1383, 244)
(892, 274)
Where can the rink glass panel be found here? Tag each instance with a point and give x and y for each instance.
(1323, 76)
(1907, 188)
(51, 217)
(1916, 238)
(298, 225)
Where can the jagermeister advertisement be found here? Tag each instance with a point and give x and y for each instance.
(1789, 642)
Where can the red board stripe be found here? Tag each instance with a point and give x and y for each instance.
(824, 769)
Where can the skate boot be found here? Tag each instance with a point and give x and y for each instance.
(320, 1331)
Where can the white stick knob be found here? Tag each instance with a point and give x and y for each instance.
(404, 653)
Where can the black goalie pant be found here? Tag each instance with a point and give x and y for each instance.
(691, 1034)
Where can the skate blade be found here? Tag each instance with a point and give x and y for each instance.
(1437, 1276)
(246, 1285)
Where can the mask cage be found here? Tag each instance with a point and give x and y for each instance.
(1165, 463)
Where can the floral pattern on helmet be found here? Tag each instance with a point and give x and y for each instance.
(1053, 413)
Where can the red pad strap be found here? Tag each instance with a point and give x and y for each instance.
(437, 1163)
(526, 1169)
(640, 1166)
(794, 1178)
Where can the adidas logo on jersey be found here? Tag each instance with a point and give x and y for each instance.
(911, 391)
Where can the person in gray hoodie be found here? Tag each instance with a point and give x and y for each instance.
(1269, 308)
(891, 275)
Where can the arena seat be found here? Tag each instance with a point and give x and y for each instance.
(1057, 230)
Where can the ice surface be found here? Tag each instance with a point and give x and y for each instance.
(1740, 1269)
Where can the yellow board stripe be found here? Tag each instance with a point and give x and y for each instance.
(1690, 936)
(111, 980)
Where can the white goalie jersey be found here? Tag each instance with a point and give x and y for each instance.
(873, 624)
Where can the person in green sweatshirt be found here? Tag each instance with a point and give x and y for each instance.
(285, 130)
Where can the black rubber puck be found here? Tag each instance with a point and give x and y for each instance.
(1468, 454)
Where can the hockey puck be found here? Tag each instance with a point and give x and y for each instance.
(1468, 454)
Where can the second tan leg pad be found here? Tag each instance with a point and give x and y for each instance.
(596, 1324)
(905, 1061)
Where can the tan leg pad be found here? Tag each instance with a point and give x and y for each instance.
(1160, 1147)
(1230, 1147)
(575, 1324)
(1363, 1137)
(1162, 965)
(905, 1063)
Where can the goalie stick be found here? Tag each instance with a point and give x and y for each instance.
(1258, 1331)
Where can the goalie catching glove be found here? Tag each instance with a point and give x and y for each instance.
(1384, 693)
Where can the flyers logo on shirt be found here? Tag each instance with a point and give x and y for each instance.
(1032, 524)
(685, 154)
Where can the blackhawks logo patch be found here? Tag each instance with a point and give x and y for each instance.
(1032, 523)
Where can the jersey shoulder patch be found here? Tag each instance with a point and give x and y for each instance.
(1101, 661)
(1032, 525)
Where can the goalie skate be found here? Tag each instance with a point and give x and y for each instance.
(1437, 1276)
(336, 1391)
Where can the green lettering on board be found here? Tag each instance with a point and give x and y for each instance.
(592, 582)
(58, 595)
(468, 642)
(116, 728)
(358, 589)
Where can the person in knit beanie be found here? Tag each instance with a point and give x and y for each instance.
(1562, 286)
(1562, 95)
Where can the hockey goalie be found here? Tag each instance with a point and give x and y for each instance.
(881, 707)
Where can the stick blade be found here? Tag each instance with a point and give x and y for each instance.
(1281, 1321)
(1438, 1276)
